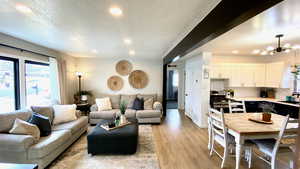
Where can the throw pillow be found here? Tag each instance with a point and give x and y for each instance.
(45, 111)
(148, 104)
(138, 104)
(42, 122)
(103, 104)
(128, 99)
(64, 113)
(25, 128)
(157, 106)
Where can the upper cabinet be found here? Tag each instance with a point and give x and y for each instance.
(250, 75)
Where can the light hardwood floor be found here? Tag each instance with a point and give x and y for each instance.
(180, 144)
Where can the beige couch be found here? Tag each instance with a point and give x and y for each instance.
(153, 115)
(22, 149)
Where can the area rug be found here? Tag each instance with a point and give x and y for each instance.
(76, 156)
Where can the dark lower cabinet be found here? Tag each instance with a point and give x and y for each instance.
(282, 109)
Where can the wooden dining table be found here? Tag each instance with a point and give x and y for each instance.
(243, 129)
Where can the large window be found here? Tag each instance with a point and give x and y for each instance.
(37, 77)
(297, 83)
(9, 98)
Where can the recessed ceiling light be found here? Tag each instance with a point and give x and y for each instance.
(127, 41)
(264, 53)
(287, 45)
(235, 52)
(287, 51)
(95, 51)
(23, 8)
(269, 48)
(131, 52)
(115, 11)
(256, 51)
(74, 38)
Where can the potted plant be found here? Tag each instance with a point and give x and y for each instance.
(123, 107)
(267, 109)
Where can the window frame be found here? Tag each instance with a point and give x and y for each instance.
(16, 80)
(34, 63)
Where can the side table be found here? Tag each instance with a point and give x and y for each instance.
(84, 108)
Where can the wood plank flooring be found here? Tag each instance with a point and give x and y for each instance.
(180, 144)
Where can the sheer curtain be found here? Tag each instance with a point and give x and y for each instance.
(58, 80)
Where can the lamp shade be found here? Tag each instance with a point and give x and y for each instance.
(84, 98)
(79, 73)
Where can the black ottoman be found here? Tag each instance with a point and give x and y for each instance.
(123, 140)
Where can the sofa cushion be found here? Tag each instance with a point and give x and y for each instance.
(73, 126)
(148, 113)
(115, 101)
(128, 99)
(147, 96)
(42, 122)
(15, 142)
(7, 119)
(24, 128)
(107, 114)
(64, 113)
(47, 144)
(45, 111)
(130, 113)
(148, 103)
(103, 103)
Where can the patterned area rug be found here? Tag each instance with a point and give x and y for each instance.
(76, 156)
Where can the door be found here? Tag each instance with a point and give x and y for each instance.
(188, 91)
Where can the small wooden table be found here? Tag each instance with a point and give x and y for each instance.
(18, 166)
(243, 129)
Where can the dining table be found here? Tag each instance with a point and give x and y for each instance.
(239, 126)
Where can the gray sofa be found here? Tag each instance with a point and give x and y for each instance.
(22, 149)
(153, 115)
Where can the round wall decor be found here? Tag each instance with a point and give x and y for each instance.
(124, 67)
(138, 79)
(115, 83)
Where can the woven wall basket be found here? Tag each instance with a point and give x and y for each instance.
(124, 67)
(138, 79)
(115, 83)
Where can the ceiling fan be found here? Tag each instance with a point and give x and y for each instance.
(279, 48)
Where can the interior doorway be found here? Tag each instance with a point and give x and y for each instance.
(172, 87)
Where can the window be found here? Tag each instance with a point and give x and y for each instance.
(37, 77)
(297, 83)
(9, 84)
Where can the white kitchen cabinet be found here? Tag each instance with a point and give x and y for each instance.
(274, 74)
(220, 71)
(250, 75)
(259, 75)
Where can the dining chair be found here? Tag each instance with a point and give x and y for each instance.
(218, 133)
(236, 106)
(272, 148)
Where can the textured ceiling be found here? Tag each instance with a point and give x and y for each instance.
(78, 27)
(259, 32)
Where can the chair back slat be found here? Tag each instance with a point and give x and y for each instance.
(288, 130)
(217, 123)
(237, 106)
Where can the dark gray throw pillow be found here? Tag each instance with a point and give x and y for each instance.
(42, 122)
(138, 104)
(45, 111)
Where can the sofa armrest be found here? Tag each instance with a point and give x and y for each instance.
(94, 107)
(157, 106)
(15, 142)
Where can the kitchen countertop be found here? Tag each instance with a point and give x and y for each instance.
(263, 99)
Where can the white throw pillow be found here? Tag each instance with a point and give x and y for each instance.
(64, 113)
(103, 104)
(25, 128)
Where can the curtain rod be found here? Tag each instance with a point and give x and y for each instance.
(13, 47)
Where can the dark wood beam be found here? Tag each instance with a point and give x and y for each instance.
(225, 16)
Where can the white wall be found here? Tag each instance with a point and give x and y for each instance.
(98, 70)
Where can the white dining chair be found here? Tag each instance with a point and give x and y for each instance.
(218, 133)
(236, 106)
(273, 148)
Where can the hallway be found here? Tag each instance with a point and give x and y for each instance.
(180, 144)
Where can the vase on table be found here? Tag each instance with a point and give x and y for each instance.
(123, 119)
